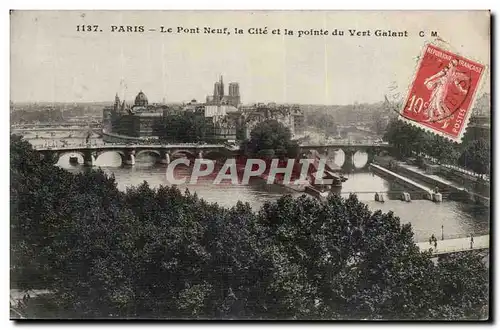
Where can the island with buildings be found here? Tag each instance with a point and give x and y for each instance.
(226, 118)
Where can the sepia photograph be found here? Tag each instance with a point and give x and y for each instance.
(250, 165)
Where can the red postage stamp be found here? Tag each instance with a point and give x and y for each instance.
(441, 96)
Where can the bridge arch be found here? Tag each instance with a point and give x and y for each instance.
(361, 158)
(157, 153)
(347, 157)
(183, 152)
(356, 158)
(56, 156)
(121, 153)
(117, 151)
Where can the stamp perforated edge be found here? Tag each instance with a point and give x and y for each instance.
(480, 84)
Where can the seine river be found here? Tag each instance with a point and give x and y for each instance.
(426, 217)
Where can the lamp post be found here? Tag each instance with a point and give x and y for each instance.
(442, 232)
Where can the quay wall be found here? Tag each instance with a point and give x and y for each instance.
(444, 188)
(466, 180)
(415, 190)
(448, 191)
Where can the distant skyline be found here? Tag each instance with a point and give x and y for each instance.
(52, 62)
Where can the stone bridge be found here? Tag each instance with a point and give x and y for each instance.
(129, 152)
(165, 152)
(349, 149)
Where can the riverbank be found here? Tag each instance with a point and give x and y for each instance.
(433, 179)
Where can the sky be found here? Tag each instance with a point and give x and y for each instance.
(52, 62)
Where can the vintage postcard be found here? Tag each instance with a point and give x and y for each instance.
(250, 165)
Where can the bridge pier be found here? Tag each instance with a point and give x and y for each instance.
(165, 158)
(371, 155)
(89, 159)
(348, 160)
(129, 158)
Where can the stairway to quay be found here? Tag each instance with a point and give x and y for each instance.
(449, 189)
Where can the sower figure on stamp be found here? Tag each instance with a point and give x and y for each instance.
(440, 84)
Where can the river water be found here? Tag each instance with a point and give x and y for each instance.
(426, 217)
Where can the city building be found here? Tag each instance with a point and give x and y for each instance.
(225, 117)
(290, 116)
(140, 120)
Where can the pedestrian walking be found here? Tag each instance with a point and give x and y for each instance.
(430, 240)
(471, 241)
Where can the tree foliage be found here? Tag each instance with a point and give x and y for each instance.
(161, 253)
(186, 127)
(270, 138)
(473, 153)
(476, 156)
(406, 139)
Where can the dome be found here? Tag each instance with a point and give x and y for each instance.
(141, 99)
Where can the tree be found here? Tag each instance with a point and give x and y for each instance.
(270, 135)
(186, 127)
(473, 153)
(406, 138)
(476, 156)
(337, 259)
(464, 287)
(410, 141)
(441, 148)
